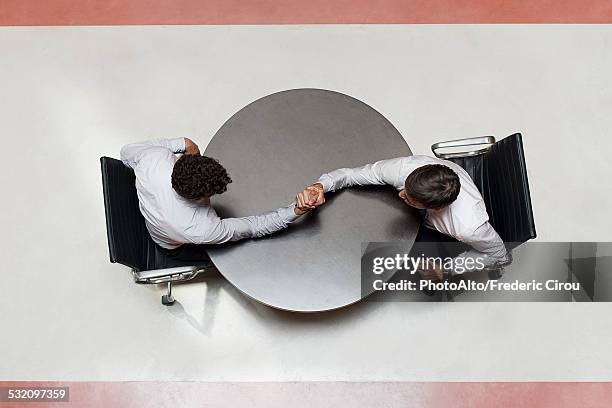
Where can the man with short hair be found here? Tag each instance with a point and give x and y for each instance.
(174, 198)
(445, 193)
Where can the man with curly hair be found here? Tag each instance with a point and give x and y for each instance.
(174, 196)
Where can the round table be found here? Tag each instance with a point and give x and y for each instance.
(274, 147)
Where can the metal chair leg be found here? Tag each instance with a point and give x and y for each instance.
(167, 299)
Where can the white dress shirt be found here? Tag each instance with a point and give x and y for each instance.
(173, 220)
(465, 219)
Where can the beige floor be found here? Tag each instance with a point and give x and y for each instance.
(70, 95)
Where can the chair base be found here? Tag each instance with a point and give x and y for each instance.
(168, 276)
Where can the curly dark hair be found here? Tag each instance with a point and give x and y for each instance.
(195, 177)
(434, 186)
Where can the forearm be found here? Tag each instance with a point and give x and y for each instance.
(345, 177)
(488, 249)
(474, 260)
(131, 153)
(234, 229)
(177, 145)
(269, 223)
(378, 173)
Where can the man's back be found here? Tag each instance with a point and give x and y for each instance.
(166, 213)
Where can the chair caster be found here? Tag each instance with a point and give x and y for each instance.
(167, 299)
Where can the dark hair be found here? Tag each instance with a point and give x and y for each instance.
(195, 177)
(434, 186)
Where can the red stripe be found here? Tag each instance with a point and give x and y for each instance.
(309, 394)
(125, 12)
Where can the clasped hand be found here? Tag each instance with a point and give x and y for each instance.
(309, 199)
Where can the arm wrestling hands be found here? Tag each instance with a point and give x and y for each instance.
(309, 199)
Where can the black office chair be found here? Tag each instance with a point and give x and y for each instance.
(499, 171)
(129, 242)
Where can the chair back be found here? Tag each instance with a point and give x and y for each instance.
(501, 176)
(129, 242)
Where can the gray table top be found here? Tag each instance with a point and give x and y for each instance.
(272, 148)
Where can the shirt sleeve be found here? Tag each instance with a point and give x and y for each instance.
(486, 245)
(234, 229)
(379, 173)
(132, 153)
